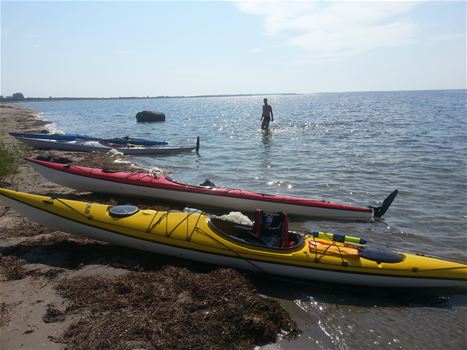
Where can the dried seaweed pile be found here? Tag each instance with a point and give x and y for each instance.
(173, 308)
(25, 229)
(150, 307)
(12, 268)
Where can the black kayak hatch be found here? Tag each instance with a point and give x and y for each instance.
(380, 254)
(122, 211)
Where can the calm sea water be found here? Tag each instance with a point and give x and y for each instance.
(349, 148)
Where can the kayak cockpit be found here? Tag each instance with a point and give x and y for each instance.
(268, 231)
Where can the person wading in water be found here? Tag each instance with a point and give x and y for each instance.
(267, 116)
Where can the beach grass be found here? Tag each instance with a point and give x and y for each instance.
(10, 159)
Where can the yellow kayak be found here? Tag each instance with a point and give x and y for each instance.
(261, 248)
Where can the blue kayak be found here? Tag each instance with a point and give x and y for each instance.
(73, 137)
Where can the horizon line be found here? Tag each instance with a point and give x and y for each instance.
(11, 99)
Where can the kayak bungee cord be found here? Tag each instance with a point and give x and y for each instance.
(166, 217)
(201, 231)
(149, 229)
(168, 234)
(194, 228)
(317, 260)
(69, 207)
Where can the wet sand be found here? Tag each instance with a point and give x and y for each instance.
(58, 290)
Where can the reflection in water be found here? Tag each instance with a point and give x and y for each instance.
(266, 137)
(345, 317)
(266, 162)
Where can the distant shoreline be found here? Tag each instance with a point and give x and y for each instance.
(42, 99)
(29, 99)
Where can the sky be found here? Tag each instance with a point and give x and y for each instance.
(186, 48)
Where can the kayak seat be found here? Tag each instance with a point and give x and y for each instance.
(246, 234)
(272, 229)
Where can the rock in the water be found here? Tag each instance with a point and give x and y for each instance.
(149, 116)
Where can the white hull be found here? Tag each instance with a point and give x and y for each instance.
(85, 183)
(62, 224)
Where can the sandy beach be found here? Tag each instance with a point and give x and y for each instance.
(58, 290)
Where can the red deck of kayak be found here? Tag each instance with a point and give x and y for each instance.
(161, 182)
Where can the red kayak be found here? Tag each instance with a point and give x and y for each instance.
(144, 185)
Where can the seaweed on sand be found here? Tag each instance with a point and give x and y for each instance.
(24, 229)
(52, 314)
(5, 314)
(12, 268)
(150, 306)
(173, 308)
